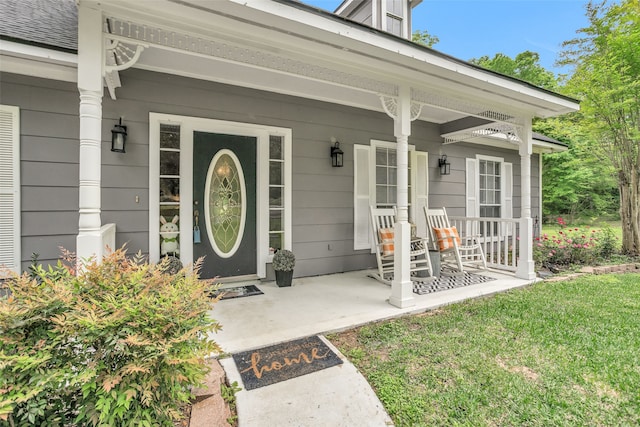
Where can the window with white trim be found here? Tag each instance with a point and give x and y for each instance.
(489, 189)
(490, 184)
(276, 193)
(375, 184)
(10, 188)
(394, 16)
(386, 160)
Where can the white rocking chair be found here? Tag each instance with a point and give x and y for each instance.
(454, 249)
(382, 227)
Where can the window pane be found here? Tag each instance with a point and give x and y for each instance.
(169, 136)
(394, 25)
(381, 175)
(275, 173)
(275, 197)
(275, 147)
(392, 196)
(169, 190)
(496, 181)
(393, 158)
(276, 241)
(496, 168)
(275, 220)
(381, 194)
(395, 7)
(483, 167)
(169, 211)
(393, 176)
(381, 156)
(483, 197)
(488, 183)
(169, 163)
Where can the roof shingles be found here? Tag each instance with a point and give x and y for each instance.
(57, 22)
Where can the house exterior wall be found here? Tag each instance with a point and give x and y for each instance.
(322, 196)
(363, 13)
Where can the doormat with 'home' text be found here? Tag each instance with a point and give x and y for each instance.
(276, 363)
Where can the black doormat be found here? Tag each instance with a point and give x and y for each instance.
(448, 281)
(276, 363)
(237, 292)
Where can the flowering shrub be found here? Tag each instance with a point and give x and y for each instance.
(572, 245)
(122, 343)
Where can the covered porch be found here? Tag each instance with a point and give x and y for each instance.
(330, 303)
(294, 50)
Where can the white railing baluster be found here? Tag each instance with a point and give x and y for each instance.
(498, 237)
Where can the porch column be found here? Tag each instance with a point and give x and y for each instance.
(526, 268)
(90, 62)
(401, 285)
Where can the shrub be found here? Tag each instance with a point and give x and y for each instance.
(284, 260)
(122, 343)
(573, 246)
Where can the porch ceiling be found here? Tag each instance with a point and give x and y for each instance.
(293, 49)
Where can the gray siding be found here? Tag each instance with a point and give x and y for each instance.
(362, 13)
(322, 195)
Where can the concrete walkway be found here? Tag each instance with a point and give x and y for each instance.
(336, 396)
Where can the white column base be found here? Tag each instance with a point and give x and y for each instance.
(526, 266)
(89, 246)
(401, 285)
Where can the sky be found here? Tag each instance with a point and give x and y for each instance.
(473, 28)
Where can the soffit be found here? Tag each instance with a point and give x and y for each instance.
(295, 52)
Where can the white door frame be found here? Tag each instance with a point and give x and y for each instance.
(189, 125)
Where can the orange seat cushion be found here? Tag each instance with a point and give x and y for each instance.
(445, 237)
(386, 238)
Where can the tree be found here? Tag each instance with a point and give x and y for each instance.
(607, 80)
(424, 38)
(575, 183)
(526, 66)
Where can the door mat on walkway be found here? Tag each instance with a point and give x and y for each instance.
(280, 362)
(448, 281)
(237, 292)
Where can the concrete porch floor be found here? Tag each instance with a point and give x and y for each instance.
(324, 304)
(338, 396)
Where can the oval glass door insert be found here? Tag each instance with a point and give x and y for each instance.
(225, 203)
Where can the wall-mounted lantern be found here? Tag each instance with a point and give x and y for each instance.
(337, 155)
(444, 165)
(118, 137)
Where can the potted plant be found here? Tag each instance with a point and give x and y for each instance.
(283, 263)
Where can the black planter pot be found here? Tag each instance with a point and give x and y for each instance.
(283, 278)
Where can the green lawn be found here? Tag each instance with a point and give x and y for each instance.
(565, 353)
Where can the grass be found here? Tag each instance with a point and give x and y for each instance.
(565, 353)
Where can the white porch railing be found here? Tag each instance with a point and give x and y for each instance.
(499, 238)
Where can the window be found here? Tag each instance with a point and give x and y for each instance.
(276, 194)
(386, 177)
(375, 184)
(489, 188)
(490, 185)
(394, 17)
(169, 177)
(10, 188)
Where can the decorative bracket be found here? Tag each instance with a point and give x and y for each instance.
(120, 53)
(390, 106)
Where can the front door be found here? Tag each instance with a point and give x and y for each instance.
(224, 204)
